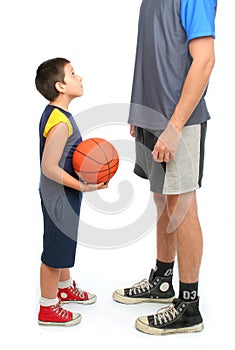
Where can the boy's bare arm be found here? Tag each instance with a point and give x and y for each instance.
(54, 146)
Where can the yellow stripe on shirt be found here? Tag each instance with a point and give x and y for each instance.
(55, 118)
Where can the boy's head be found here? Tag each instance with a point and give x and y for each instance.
(49, 74)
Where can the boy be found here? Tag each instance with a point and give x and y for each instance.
(60, 193)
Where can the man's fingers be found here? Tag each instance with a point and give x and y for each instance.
(162, 156)
(132, 130)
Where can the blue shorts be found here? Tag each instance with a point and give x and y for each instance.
(61, 219)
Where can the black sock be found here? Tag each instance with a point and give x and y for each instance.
(188, 291)
(164, 269)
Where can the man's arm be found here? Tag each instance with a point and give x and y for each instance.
(202, 53)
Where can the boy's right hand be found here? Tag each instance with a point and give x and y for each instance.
(85, 187)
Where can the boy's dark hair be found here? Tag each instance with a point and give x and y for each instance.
(48, 74)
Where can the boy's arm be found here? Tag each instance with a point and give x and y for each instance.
(202, 52)
(54, 146)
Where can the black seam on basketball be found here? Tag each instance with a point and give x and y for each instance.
(86, 155)
(107, 161)
(104, 176)
(99, 171)
(109, 168)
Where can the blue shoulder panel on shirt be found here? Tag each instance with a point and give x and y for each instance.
(198, 17)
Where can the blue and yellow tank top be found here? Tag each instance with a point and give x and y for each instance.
(52, 116)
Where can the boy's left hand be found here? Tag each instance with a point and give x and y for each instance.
(85, 187)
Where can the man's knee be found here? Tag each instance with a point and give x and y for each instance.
(161, 202)
(159, 199)
(179, 206)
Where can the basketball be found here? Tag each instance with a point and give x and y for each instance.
(95, 160)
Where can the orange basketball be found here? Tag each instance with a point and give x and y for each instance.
(95, 160)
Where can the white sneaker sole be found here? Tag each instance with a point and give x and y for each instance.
(73, 322)
(157, 331)
(128, 300)
(92, 300)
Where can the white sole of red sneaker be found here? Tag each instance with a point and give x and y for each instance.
(157, 331)
(73, 322)
(90, 301)
(128, 300)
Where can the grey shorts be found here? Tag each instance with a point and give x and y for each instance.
(181, 175)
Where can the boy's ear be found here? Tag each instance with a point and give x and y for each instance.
(60, 86)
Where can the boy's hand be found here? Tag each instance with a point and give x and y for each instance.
(85, 187)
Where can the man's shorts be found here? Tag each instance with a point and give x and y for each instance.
(61, 218)
(180, 175)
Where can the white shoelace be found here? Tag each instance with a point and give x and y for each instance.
(77, 291)
(140, 287)
(60, 311)
(165, 315)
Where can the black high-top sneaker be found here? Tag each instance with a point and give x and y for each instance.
(155, 289)
(179, 317)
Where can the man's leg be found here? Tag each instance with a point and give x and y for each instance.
(158, 287)
(183, 314)
(184, 220)
(166, 243)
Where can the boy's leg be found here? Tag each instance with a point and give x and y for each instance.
(49, 278)
(51, 313)
(64, 275)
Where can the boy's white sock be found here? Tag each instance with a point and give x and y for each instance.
(65, 284)
(48, 302)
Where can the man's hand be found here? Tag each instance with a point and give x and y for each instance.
(166, 147)
(132, 130)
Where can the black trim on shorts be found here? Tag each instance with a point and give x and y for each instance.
(202, 152)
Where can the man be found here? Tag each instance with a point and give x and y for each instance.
(168, 117)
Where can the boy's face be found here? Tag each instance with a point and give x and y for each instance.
(73, 82)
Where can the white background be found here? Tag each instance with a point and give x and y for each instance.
(99, 38)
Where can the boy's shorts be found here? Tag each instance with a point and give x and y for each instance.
(61, 218)
(180, 175)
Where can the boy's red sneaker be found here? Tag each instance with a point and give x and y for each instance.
(55, 315)
(73, 294)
